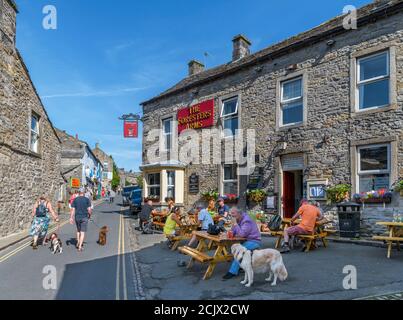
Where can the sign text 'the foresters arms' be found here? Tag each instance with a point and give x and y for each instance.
(195, 117)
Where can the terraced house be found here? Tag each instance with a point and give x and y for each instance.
(30, 164)
(326, 106)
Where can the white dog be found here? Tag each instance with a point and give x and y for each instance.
(260, 261)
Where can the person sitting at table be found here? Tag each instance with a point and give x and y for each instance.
(223, 210)
(243, 227)
(172, 221)
(211, 209)
(205, 220)
(309, 214)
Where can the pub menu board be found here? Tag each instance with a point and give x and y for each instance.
(194, 183)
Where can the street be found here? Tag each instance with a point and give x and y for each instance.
(98, 273)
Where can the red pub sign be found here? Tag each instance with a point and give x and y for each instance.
(197, 116)
(131, 129)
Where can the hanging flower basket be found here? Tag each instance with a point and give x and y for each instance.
(257, 195)
(210, 195)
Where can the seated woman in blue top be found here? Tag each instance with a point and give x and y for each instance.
(243, 227)
(205, 219)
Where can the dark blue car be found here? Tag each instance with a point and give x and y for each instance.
(126, 192)
(135, 200)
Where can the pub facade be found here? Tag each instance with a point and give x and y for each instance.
(325, 107)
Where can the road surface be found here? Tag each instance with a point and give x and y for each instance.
(97, 273)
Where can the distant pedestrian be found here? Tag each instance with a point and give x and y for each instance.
(112, 195)
(80, 215)
(72, 197)
(40, 224)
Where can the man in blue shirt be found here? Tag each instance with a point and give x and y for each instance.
(205, 220)
(223, 210)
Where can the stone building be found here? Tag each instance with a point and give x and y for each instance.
(107, 163)
(128, 177)
(80, 167)
(325, 106)
(29, 145)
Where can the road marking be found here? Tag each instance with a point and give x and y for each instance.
(121, 260)
(124, 260)
(118, 262)
(27, 244)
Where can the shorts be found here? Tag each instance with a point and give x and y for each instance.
(82, 224)
(296, 230)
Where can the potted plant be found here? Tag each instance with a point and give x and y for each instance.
(338, 193)
(399, 187)
(257, 195)
(259, 217)
(212, 194)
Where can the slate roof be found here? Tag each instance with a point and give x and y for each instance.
(334, 26)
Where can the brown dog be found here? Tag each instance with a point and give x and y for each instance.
(102, 236)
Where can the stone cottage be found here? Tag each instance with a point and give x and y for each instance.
(29, 145)
(107, 163)
(325, 107)
(80, 166)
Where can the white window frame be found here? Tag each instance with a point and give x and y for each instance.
(149, 186)
(372, 80)
(33, 132)
(171, 185)
(371, 172)
(283, 102)
(229, 116)
(232, 180)
(165, 135)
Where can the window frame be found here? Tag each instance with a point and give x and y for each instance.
(361, 173)
(164, 147)
(287, 101)
(171, 185)
(150, 186)
(231, 180)
(32, 132)
(230, 116)
(359, 82)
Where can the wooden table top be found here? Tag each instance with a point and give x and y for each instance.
(220, 238)
(390, 224)
(318, 223)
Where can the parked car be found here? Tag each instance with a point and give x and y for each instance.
(135, 199)
(126, 194)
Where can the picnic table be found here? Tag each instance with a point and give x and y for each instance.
(185, 232)
(159, 219)
(320, 233)
(221, 253)
(394, 235)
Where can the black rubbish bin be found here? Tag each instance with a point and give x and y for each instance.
(349, 219)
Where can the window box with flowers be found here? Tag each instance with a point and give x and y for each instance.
(381, 196)
(154, 198)
(230, 198)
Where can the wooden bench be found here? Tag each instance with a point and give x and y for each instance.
(185, 233)
(195, 254)
(159, 225)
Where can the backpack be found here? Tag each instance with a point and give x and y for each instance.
(274, 223)
(42, 210)
(215, 230)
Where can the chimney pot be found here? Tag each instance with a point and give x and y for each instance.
(195, 67)
(241, 47)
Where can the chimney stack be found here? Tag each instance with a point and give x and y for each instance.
(97, 145)
(195, 67)
(241, 47)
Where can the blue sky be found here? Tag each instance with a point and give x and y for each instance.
(108, 56)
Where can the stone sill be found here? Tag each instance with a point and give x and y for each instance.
(364, 113)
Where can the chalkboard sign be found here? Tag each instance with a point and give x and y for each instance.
(194, 183)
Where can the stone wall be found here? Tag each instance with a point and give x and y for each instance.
(24, 176)
(331, 127)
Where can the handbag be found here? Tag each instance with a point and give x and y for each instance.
(275, 222)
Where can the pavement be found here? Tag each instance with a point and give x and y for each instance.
(317, 275)
(98, 273)
(134, 266)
